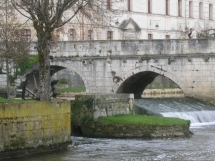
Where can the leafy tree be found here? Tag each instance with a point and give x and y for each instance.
(20, 68)
(13, 47)
(63, 81)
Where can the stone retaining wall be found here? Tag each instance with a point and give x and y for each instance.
(138, 131)
(34, 127)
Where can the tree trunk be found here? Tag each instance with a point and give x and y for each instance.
(8, 81)
(43, 49)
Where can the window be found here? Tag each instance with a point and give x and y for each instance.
(129, 5)
(149, 6)
(110, 35)
(26, 34)
(22, 3)
(90, 3)
(167, 36)
(167, 7)
(211, 12)
(201, 12)
(71, 34)
(180, 8)
(150, 36)
(90, 34)
(109, 4)
(190, 9)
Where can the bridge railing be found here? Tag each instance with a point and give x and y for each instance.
(130, 47)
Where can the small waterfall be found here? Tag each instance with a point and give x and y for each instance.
(196, 117)
(198, 112)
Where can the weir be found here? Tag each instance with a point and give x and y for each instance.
(198, 112)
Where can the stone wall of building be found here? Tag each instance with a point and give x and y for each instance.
(35, 127)
(147, 15)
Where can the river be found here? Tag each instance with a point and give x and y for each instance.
(198, 147)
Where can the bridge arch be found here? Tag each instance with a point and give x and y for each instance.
(137, 80)
(75, 70)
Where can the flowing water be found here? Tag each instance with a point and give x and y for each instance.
(199, 147)
(198, 112)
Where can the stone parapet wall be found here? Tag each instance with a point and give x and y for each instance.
(126, 47)
(33, 125)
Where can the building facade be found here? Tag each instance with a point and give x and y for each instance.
(141, 19)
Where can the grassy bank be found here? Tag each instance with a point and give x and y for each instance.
(136, 126)
(3, 100)
(71, 90)
(141, 120)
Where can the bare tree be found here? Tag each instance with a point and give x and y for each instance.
(48, 16)
(206, 32)
(13, 47)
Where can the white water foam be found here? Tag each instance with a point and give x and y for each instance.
(197, 118)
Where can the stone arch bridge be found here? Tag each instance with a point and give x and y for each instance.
(128, 66)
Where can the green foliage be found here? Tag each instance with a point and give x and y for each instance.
(88, 102)
(71, 90)
(87, 120)
(63, 81)
(141, 120)
(169, 61)
(21, 67)
(2, 100)
(31, 60)
(147, 58)
(110, 51)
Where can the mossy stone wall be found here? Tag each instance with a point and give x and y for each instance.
(32, 125)
(98, 129)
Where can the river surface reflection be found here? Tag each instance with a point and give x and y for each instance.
(198, 147)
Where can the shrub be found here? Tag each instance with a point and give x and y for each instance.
(63, 81)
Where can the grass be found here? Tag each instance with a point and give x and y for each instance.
(71, 90)
(141, 120)
(163, 88)
(4, 100)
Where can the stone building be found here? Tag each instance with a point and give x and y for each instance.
(141, 19)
